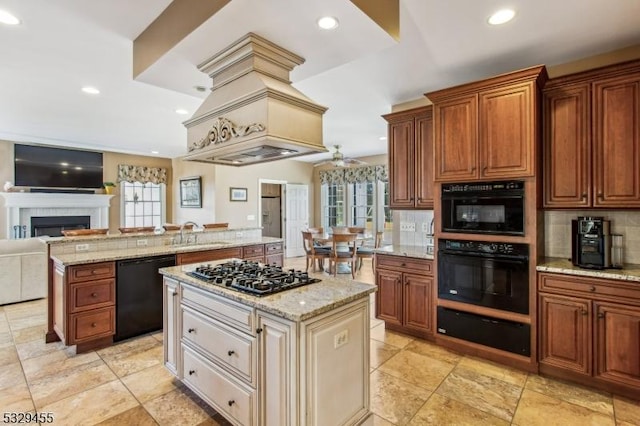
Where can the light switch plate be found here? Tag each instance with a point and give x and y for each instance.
(408, 226)
(425, 227)
(141, 243)
(82, 247)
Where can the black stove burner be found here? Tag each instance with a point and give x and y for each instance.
(252, 277)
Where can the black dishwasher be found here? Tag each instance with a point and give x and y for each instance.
(139, 295)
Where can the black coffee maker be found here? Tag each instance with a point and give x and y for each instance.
(591, 242)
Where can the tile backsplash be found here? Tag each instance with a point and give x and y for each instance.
(420, 220)
(558, 231)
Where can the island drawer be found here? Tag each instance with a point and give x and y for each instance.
(224, 310)
(626, 291)
(91, 325)
(272, 248)
(91, 295)
(92, 271)
(229, 348)
(404, 264)
(219, 390)
(253, 251)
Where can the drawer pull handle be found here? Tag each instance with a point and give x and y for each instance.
(94, 325)
(174, 293)
(583, 312)
(231, 402)
(258, 330)
(192, 372)
(94, 272)
(600, 315)
(403, 264)
(94, 294)
(592, 288)
(231, 352)
(191, 330)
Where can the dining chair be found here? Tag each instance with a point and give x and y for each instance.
(339, 230)
(314, 253)
(367, 252)
(356, 229)
(343, 251)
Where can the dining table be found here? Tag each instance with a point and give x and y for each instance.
(325, 239)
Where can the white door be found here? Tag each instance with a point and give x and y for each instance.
(296, 217)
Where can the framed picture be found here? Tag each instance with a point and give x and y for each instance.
(237, 194)
(191, 192)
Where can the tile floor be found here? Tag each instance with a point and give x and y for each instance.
(413, 382)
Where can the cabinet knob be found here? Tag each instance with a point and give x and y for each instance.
(484, 169)
(258, 330)
(94, 272)
(592, 288)
(600, 315)
(192, 372)
(94, 325)
(473, 168)
(583, 312)
(191, 330)
(403, 265)
(231, 402)
(584, 196)
(174, 293)
(94, 294)
(600, 195)
(231, 352)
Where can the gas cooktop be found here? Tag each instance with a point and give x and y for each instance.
(252, 277)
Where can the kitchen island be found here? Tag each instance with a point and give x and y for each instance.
(297, 357)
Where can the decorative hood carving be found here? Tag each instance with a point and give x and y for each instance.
(253, 113)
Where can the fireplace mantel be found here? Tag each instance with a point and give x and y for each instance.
(22, 205)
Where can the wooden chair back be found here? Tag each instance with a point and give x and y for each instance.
(356, 229)
(344, 250)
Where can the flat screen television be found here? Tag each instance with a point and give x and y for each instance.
(49, 167)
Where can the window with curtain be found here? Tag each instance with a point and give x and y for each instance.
(143, 195)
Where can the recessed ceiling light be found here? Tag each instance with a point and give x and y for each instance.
(383, 138)
(182, 111)
(78, 168)
(501, 17)
(64, 164)
(8, 18)
(90, 90)
(155, 152)
(328, 23)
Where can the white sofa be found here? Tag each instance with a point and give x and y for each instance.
(23, 270)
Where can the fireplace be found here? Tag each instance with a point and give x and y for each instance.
(54, 225)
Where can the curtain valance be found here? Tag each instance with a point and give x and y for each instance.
(141, 174)
(354, 175)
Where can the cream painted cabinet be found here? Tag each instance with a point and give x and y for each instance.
(171, 325)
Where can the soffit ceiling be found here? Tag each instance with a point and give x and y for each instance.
(358, 71)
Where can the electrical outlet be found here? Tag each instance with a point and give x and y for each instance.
(425, 226)
(238, 234)
(82, 247)
(408, 226)
(141, 243)
(251, 217)
(341, 339)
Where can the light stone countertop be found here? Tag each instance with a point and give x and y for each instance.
(79, 258)
(630, 272)
(297, 304)
(406, 251)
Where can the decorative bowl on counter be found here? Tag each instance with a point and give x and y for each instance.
(81, 232)
(215, 225)
(137, 229)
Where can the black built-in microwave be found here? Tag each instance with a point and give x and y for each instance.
(483, 207)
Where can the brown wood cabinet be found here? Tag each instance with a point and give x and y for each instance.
(590, 331)
(84, 304)
(592, 139)
(488, 129)
(404, 299)
(208, 255)
(410, 135)
(274, 253)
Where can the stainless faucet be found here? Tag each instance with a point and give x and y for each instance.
(430, 233)
(182, 229)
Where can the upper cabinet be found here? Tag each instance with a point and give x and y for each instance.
(592, 139)
(411, 158)
(488, 129)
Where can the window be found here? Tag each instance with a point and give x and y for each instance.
(143, 204)
(362, 197)
(333, 212)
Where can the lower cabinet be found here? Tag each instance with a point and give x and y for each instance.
(404, 299)
(256, 368)
(590, 331)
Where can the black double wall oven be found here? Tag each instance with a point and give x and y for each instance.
(491, 274)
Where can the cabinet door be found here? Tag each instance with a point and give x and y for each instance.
(389, 296)
(424, 162)
(417, 303)
(171, 328)
(456, 139)
(507, 133)
(618, 343)
(401, 163)
(277, 406)
(616, 141)
(565, 333)
(567, 147)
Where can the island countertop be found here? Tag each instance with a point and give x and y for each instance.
(297, 304)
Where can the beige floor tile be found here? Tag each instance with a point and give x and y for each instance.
(135, 344)
(575, 394)
(49, 389)
(4, 324)
(150, 383)
(26, 309)
(215, 421)
(131, 362)
(431, 350)
(537, 409)
(28, 334)
(27, 322)
(440, 410)
(418, 369)
(380, 352)
(175, 408)
(394, 399)
(137, 416)
(381, 334)
(55, 363)
(16, 398)
(627, 410)
(36, 348)
(11, 375)
(379, 421)
(485, 393)
(8, 355)
(492, 369)
(6, 339)
(158, 336)
(92, 406)
(375, 322)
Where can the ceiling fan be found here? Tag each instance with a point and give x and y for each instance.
(339, 160)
